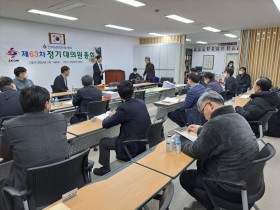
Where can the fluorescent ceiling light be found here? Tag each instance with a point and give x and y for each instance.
(230, 35)
(201, 42)
(208, 28)
(178, 18)
(156, 34)
(119, 27)
(132, 3)
(52, 14)
(277, 3)
(188, 40)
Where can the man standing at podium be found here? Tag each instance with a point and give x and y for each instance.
(149, 70)
(98, 71)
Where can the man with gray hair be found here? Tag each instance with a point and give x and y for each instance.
(149, 70)
(224, 148)
(87, 94)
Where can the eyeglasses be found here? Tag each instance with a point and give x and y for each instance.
(202, 110)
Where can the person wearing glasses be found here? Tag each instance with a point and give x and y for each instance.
(224, 148)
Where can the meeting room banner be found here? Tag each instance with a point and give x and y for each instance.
(36, 54)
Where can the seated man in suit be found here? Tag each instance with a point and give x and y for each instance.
(21, 80)
(134, 118)
(231, 83)
(212, 84)
(134, 75)
(34, 139)
(60, 82)
(9, 98)
(193, 94)
(261, 101)
(87, 94)
(224, 148)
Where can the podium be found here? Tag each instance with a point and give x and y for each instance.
(114, 75)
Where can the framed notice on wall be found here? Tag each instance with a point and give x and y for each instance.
(208, 62)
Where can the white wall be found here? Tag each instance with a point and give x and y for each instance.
(165, 57)
(219, 60)
(117, 51)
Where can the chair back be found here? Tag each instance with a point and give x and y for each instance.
(224, 95)
(239, 90)
(112, 84)
(265, 118)
(166, 197)
(183, 91)
(155, 134)
(140, 94)
(169, 79)
(168, 93)
(255, 178)
(97, 108)
(139, 81)
(48, 183)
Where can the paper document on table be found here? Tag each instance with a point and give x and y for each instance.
(103, 116)
(186, 134)
(171, 100)
(59, 206)
(245, 96)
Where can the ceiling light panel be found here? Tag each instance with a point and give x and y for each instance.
(188, 40)
(39, 12)
(156, 34)
(179, 18)
(208, 28)
(132, 3)
(277, 3)
(230, 35)
(201, 42)
(119, 27)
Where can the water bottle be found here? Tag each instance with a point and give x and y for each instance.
(233, 101)
(176, 144)
(56, 101)
(169, 143)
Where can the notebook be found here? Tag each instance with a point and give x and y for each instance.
(190, 136)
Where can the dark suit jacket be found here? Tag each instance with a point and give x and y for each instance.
(9, 103)
(31, 140)
(231, 85)
(135, 121)
(59, 84)
(85, 95)
(150, 71)
(244, 80)
(97, 77)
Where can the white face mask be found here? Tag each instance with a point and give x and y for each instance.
(134, 72)
(26, 76)
(225, 75)
(230, 65)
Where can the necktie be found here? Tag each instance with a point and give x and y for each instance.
(66, 82)
(100, 67)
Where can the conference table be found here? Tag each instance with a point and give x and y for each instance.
(163, 107)
(167, 163)
(67, 93)
(88, 134)
(129, 188)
